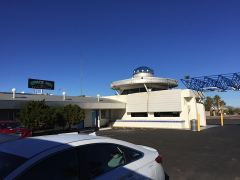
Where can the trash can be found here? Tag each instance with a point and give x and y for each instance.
(194, 125)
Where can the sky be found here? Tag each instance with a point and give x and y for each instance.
(84, 45)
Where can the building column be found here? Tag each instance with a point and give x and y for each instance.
(97, 120)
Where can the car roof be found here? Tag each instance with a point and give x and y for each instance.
(29, 147)
(8, 137)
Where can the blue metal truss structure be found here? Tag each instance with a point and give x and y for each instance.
(222, 82)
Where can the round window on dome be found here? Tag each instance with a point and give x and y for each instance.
(143, 69)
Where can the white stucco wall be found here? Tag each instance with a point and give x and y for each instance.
(183, 101)
(121, 98)
(201, 111)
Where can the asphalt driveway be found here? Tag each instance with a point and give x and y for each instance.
(210, 154)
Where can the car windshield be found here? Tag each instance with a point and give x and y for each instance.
(8, 163)
(9, 125)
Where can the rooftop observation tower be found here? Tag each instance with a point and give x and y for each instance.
(143, 80)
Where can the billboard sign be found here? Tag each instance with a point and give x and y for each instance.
(40, 84)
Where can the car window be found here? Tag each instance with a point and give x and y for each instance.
(9, 125)
(59, 166)
(3, 126)
(97, 159)
(8, 163)
(130, 154)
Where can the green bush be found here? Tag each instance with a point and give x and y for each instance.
(73, 115)
(37, 115)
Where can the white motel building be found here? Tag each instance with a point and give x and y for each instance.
(142, 101)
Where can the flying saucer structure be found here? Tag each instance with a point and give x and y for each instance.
(143, 80)
(143, 101)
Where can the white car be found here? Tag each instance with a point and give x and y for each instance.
(76, 156)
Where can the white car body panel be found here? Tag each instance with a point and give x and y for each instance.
(143, 168)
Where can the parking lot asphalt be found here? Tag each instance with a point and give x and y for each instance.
(213, 153)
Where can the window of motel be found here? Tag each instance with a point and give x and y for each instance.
(103, 114)
(139, 114)
(166, 114)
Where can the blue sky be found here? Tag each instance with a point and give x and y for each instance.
(84, 45)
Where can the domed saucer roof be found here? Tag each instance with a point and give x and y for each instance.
(143, 69)
(144, 76)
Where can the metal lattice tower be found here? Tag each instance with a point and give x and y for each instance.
(222, 82)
